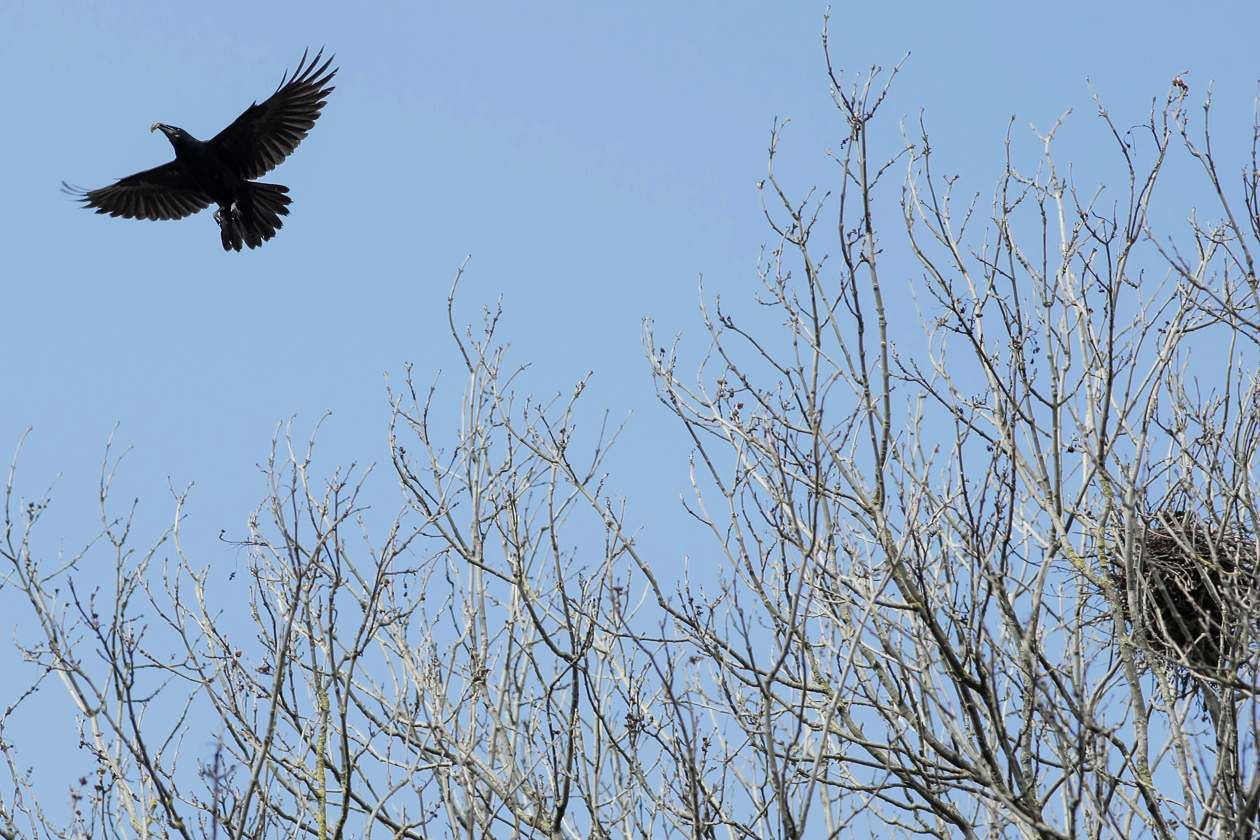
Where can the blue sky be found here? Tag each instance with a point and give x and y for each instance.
(594, 159)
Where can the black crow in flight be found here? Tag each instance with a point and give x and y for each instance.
(222, 170)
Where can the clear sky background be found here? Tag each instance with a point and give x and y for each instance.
(595, 159)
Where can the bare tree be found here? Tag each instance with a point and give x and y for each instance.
(999, 582)
(983, 589)
(474, 683)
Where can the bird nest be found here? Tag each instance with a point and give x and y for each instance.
(1194, 594)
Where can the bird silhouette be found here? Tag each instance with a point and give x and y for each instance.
(223, 169)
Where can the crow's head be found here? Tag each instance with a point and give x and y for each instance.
(175, 135)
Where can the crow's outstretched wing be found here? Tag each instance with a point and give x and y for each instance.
(164, 192)
(262, 137)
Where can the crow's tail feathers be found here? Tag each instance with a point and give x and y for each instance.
(254, 217)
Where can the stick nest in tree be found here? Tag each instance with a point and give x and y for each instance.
(1194, 592)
